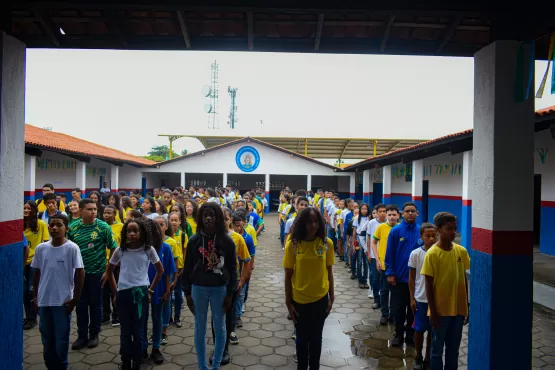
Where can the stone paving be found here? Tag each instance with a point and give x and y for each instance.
(353, 338)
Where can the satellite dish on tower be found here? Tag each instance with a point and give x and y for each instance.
(207, 108)
(206, 90)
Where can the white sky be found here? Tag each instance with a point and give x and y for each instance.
(124, 99)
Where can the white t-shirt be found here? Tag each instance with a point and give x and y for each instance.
(105, 190)
(371, 227)
(57, 269)
(152, 216)
(331, 213)
(344, 214)
(416, 261)
(134, 266)
(264, 202)
(288, 225)
(214, 199)
(360, 228)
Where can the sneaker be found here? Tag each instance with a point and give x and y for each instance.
(238, 322)
(376, 305)
(30, 324)
(164, 339)
(233, 339)
(294, 335)
(145, 355)
(391, 320)
(383, 320)
(226, 358)
(397, 341)
(370, 295)
(125, 365)
(295, 358)
(105, 320)
(178, 323)
(79, 344)
(93, 341)
(115, 323)
(418, 364)
(244, 307)
(409, 340)
(353, 277)
(156, 356)
(150, 341)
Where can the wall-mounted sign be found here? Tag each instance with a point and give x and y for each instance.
(247, 159)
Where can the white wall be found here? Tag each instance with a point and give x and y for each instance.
(445, 181)
(56, 169)
(130, 177)
(95, 169)
(223, 160)
(398, 179)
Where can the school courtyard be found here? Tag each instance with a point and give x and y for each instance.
(353, 338)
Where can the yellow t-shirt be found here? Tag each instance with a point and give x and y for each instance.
(310, 276)
(381, 234)
(241, 249)
(193, 223)
(338, 219)
(448, 270)
(179, 247)
(315, 199)
(252, 232)
(116, 230)
(42, 207)
(36, 238)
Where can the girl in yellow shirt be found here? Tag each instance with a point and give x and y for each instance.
(191, 210)
(181, 239)
(309, 290)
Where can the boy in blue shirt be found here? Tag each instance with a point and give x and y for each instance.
(402, 240)
(239, 221)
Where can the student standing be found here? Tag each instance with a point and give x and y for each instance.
(181, 239)
(107, 298)
(191, 210)
(148, 208)
(309, 289)
(49, 200)
(74, 214)
(134, 289)
(210, 278)
(359, 235)
(379, 245)
(379, 214)
(35, 232)
(418, 300)
(93, 237)
(58, 283)
(403, 239)
(48, 189)
(444, 269)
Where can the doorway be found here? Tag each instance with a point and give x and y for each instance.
(425, 191)
(537, 208)
(377, 193)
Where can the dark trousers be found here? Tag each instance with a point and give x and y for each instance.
(310, 324)
(28, 276)
(400, 296)
(246, 292)
(131, 324)
(384, 296)
(230, 318)
(90, 305)
(108, 307)
(177, 301)
(55, 325)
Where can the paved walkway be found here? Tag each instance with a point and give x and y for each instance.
(353, 338)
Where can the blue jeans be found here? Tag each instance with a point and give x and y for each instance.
(384, 295)
(131, 324)
(354, 263)
(239, 302)
(448, 335)
(331, 235)
(177, 301)
(156, 312)
(202, 296)
(90, 304)
(54, 327)
(362, 266)
(246, 295)
(374, 281)
(28, 276)
(282, 233)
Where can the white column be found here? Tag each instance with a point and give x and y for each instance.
(466, 215)
(114, 179)
(417, 180)
(182, 182)
(12, 178)
(30, 176)
(224, 180)
(81, 177)
(386, 190)
(308, 182)
(366, 187)
(503, 198)
(352, 185)
(267, 191)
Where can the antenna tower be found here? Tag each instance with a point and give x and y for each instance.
(213, 121)
(233, 108)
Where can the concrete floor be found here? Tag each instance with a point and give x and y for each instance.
(353, 338)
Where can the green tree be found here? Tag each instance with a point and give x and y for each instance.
(155, 158)
(184, 152)
(162, 151)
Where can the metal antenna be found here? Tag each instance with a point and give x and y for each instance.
(213, 121)
(233, 108)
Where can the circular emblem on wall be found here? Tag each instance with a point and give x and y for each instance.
(247, 159)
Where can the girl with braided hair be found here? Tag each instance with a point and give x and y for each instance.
(134, 289)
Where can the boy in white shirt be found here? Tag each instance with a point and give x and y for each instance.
(58, 282)
(418, 299)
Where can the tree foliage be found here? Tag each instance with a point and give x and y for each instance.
(160, 153)
(184, 152)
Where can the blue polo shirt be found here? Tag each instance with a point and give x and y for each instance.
(166, 257)
(250, 243)
(402, 240)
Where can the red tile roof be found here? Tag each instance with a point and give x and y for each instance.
(546, 110)
(57, 141)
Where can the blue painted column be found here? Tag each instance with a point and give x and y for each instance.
(267, 192)
(12, 185)
(501, 258)
(547, 231)
(366, 186)
(465, 223)
(417, 181)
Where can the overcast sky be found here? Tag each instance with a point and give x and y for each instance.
(124, 99)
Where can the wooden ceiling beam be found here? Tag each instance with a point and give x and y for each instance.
(184, 30)
(318, 33)
(47, 25)
(387, 31)
(449, 32)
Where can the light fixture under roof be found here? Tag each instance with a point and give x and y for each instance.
(62, 31)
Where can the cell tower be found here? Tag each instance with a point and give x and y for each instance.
(211, 92)
(233, 108)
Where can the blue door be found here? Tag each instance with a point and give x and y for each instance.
(143, 187)
(377, 193)
(425, 191)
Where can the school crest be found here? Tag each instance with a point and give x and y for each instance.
(94, 235)
(247, 159)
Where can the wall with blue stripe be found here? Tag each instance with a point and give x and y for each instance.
(399, 199)
(547, 231)
(439, 203)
